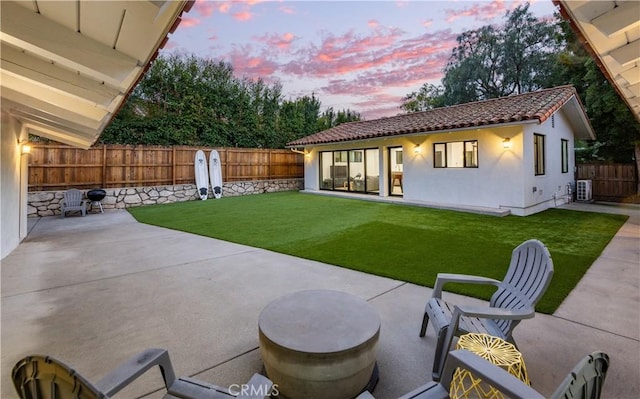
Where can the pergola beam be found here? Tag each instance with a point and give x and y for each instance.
(23, 29)
(619, 19)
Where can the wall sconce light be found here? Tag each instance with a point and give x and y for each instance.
(417, 149)
(506, 143)
(25, 148)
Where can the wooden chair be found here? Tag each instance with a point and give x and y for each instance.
(585, 381)
(73, 201)
(527, 279)
(45, 377)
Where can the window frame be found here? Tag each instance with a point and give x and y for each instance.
(347, 157)
(539, 151)
(564, 155)
(465, 160)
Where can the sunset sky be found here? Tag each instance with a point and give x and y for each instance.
(362, 55)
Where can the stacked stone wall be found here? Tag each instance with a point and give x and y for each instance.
(48, 203)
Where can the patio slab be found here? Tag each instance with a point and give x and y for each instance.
(95, 290)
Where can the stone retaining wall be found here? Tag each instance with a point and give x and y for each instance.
(47, 203)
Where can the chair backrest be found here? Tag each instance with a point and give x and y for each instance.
(586, 379)
(73, 197)
(527, 279)
(44, 377)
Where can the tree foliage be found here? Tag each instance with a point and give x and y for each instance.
(189, 100)
(330, 118)
(427, 97)
(492, 62)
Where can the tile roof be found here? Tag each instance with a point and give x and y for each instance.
(538, 106)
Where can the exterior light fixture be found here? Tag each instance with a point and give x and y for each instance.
(506, 143)
(417, 149)
(25, 148)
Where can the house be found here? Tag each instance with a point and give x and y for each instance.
(66, 69)
(512, 153)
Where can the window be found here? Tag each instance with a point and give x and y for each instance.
(456, 154)
(538, 154)
(350, 170)
(564, 145)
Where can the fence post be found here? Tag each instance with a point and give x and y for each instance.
(173, 165)
(104, 166)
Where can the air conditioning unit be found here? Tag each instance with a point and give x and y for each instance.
(583, 190)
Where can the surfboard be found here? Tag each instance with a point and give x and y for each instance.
(202, 177)
(215, 173)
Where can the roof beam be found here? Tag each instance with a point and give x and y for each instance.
(51, 77)
(627, 54)
(66, 137)
(22, 28)
(631, 75)
(618, 20)
(36, 91)
(18, 101)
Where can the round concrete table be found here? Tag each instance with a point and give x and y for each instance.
(319, 344)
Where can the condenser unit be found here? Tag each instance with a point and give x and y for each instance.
(583, 190)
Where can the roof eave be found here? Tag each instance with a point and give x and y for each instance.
(420, 133)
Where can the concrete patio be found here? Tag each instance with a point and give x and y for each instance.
(95, 290)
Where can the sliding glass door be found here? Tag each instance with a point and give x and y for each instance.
(350, 170)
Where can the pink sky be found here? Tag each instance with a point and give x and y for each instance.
(362, 55)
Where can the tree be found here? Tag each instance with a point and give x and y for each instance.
(195, 101)
(427, 97)
(492, 62)
(330, 118)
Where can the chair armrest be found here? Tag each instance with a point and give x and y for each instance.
(134, 368)
(444, 278)
(489, 373)
(493, 313)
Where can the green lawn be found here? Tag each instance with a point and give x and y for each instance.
(402, 242)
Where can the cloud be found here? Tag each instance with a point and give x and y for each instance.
(427, 23)
(481, 12)
(189, 22)
(372, 23)
(287, 10)
(205, 8)
(224, 7)
(282, 42)
(243, 16)
(252, 66)
(343, 54)
(389, 53)
(379, 105)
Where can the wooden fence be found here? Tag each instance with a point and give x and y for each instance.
(58, 167)
(609, 181)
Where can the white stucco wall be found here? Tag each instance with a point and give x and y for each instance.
(495, 183)
(13, 188)
(554, 181)
(504, 178)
